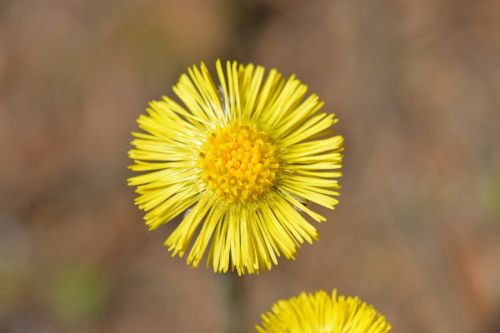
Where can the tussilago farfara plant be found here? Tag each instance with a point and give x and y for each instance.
(241, 155)
(321, 312)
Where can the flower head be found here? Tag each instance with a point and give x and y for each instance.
(321, 312)
(242, 158)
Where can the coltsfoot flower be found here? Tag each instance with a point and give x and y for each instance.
(321, 312)
(242, 158)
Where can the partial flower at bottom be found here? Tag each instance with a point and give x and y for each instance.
(241, 158)
(321, 312)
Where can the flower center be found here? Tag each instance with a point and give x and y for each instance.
(238, 162)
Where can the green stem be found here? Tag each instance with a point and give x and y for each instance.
(235, 295)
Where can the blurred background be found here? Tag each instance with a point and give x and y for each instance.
(415, 83)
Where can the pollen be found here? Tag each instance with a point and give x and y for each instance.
(239, 162)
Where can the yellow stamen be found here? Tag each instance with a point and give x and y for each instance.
(238, 162)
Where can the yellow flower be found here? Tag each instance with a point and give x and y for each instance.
(320, 312)
(242, 157)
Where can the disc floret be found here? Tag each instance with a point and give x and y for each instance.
(239, 162)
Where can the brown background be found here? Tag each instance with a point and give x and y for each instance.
(415, 83)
